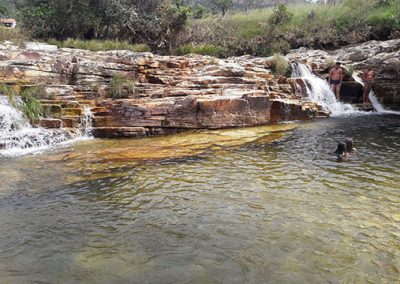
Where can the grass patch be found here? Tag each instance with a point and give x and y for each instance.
(384, 20)
(31, 105)
(252, 23)
(204, 49)
(7, 91)
(272, 30)
(121, 87)
(30, 100)
(100, 45)
(280, 65)
(14, 35)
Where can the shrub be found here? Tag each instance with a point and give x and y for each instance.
(7, 91)
(385, 20)
(12, 34)
(280, 16)
(31, 105)
(204, 49)
(121, 87)
(199, 11)
(280, 65)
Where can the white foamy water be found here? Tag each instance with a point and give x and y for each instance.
(86, 122)
(18, 137)
(373, 99)
(320, 92)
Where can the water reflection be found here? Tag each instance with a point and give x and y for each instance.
(256, 205)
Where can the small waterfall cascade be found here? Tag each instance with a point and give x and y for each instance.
(86, 122)
(18, 137)
(320, 92)
(373, 99)
(11, 119)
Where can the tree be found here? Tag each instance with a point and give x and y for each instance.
(139, 21)
(223, 5)
(3, 10)
(173, 16)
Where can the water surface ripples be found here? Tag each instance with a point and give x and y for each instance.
(242, 206)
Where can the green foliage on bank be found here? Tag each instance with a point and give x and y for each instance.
(7, 91)
(280, 65)
(121, 87)
(281, 28)
(152, 22)
(204, 49)
(14, 35)
(28, 101)
(98, 45)
(31, 105)
(171, 26)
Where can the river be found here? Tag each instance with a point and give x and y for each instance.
(258, 205)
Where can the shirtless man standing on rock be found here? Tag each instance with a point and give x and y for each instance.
(335, 79)
(368, 77)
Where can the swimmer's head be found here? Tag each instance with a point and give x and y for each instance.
(349, 145)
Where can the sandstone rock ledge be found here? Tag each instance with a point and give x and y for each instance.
(171, 94)
(382, 56)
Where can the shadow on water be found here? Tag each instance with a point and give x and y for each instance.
(248, 205)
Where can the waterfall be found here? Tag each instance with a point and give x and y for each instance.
(18, 137)
(373, 99)
(320, 92)
(86, 122)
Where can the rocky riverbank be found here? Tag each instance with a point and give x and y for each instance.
(137, 94)
(382, 56)
(165, 94)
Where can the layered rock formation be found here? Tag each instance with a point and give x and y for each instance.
(170, 94)
(382, 57)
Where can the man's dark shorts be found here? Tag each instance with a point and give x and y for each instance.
(335, 82)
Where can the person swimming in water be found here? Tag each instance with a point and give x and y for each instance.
(344, 150)
(341, 152)
(349, 146)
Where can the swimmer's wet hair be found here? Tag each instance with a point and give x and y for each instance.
(349, 145)
(341, 149)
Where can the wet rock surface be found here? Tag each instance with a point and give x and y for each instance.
(382, 57)
(170, 94)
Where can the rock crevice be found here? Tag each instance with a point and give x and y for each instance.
(170, 93)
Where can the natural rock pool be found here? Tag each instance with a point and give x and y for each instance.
(258, 205)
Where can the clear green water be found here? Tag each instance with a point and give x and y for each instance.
(259, 205)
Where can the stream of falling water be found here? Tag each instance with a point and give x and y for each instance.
(320, 93)
(373, 99)
(18, 137)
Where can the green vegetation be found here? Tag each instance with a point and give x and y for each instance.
(7, 91)
(31, 105)
(277, 30)
(29, 102)
(14, 35)
(204, 49)
(223, 5)
(97, 45)
(280, 65)
(216, 27)
(121, 87)
(153, 22)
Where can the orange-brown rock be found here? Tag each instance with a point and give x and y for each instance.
(170, 94)
(49, 123)
(382, 56)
